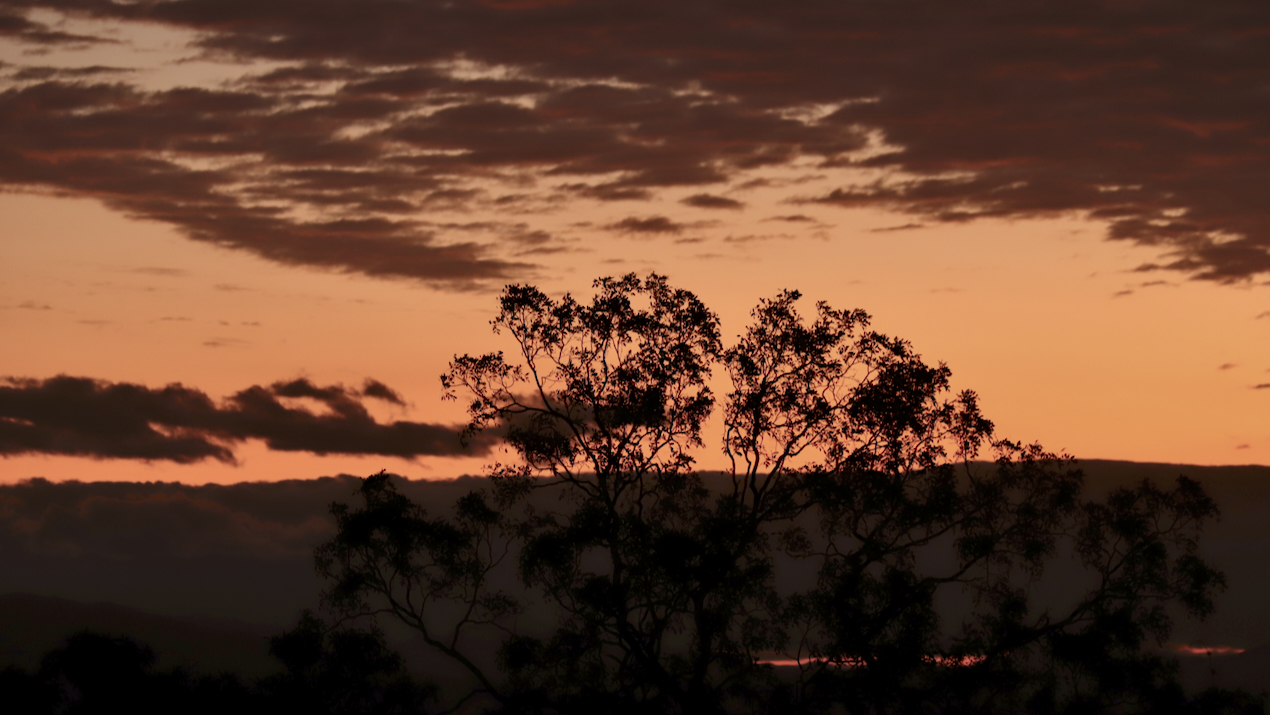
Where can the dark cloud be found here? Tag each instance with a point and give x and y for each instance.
(1151, 117)
(93, 418)
(710, 201)
(902, 227)
(45, 73)
(609, 192)
(652, 224)
(380, 391)
(1262, 386)
(106, 140)
(20, 28)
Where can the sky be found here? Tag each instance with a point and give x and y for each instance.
(241, 241)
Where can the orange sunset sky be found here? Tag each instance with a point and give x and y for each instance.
(299, 212)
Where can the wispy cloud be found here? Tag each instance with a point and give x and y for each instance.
(18, 27)
(225, 343)
(901, 227)
(161, 271)
(651, 224)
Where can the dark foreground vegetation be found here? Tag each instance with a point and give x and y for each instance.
(858, 536)
(345, 672)
(322, 671)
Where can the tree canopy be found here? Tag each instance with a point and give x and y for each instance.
(873, 546)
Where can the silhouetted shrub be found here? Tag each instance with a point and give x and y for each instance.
(341, 672)
(336, 672)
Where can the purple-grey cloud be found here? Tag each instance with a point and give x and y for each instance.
(652, 224)
(1151, 117)
(710, 201)
(20, 28)
(69, 73)
(80, 416)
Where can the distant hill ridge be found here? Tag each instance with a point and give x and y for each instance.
(244, 551)
(241, 554)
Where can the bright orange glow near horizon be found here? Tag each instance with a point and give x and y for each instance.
(1055, 357)
(1187, 649)
(185, 204)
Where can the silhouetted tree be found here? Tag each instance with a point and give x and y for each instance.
(341, 671)
(858, 533)
(95, 673)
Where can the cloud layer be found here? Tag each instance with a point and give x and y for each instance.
(80, 416)
(1150, 116)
